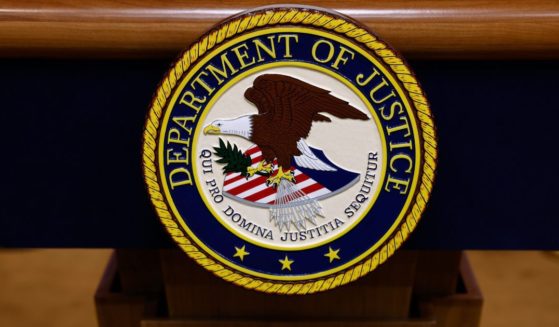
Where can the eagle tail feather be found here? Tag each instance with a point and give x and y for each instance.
(294, 207)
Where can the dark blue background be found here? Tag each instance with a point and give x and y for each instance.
(70, 137)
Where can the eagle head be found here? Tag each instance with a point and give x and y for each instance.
(240, 126)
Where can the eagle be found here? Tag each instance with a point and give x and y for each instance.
(287, 108)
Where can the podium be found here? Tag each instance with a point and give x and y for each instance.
(414, 289)
(81, 75)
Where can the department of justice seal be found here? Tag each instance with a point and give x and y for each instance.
(289, 150)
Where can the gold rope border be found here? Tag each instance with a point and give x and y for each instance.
(280, 16)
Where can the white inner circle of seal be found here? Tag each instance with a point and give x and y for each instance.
(354, 154)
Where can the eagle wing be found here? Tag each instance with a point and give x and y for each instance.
(308, 159)
(289, 106)
(294, 104)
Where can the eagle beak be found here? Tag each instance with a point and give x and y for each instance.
(212, 129)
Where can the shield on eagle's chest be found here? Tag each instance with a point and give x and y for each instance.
(315, 184)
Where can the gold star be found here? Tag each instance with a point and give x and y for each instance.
(332, 254)
(241, 252)
(286, 263)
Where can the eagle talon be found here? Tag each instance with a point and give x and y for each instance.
(263, 166)
(275, 180)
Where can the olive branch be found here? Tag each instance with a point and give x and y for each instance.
(234, 159)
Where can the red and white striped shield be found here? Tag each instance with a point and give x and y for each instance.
(254, 190)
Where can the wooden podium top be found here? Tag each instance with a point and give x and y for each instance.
(425, 29)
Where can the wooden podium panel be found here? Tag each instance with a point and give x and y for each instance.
(267, 323)
(460, 309)
(437, 273)
(413, 289)
(384, 294)
(123, 307)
